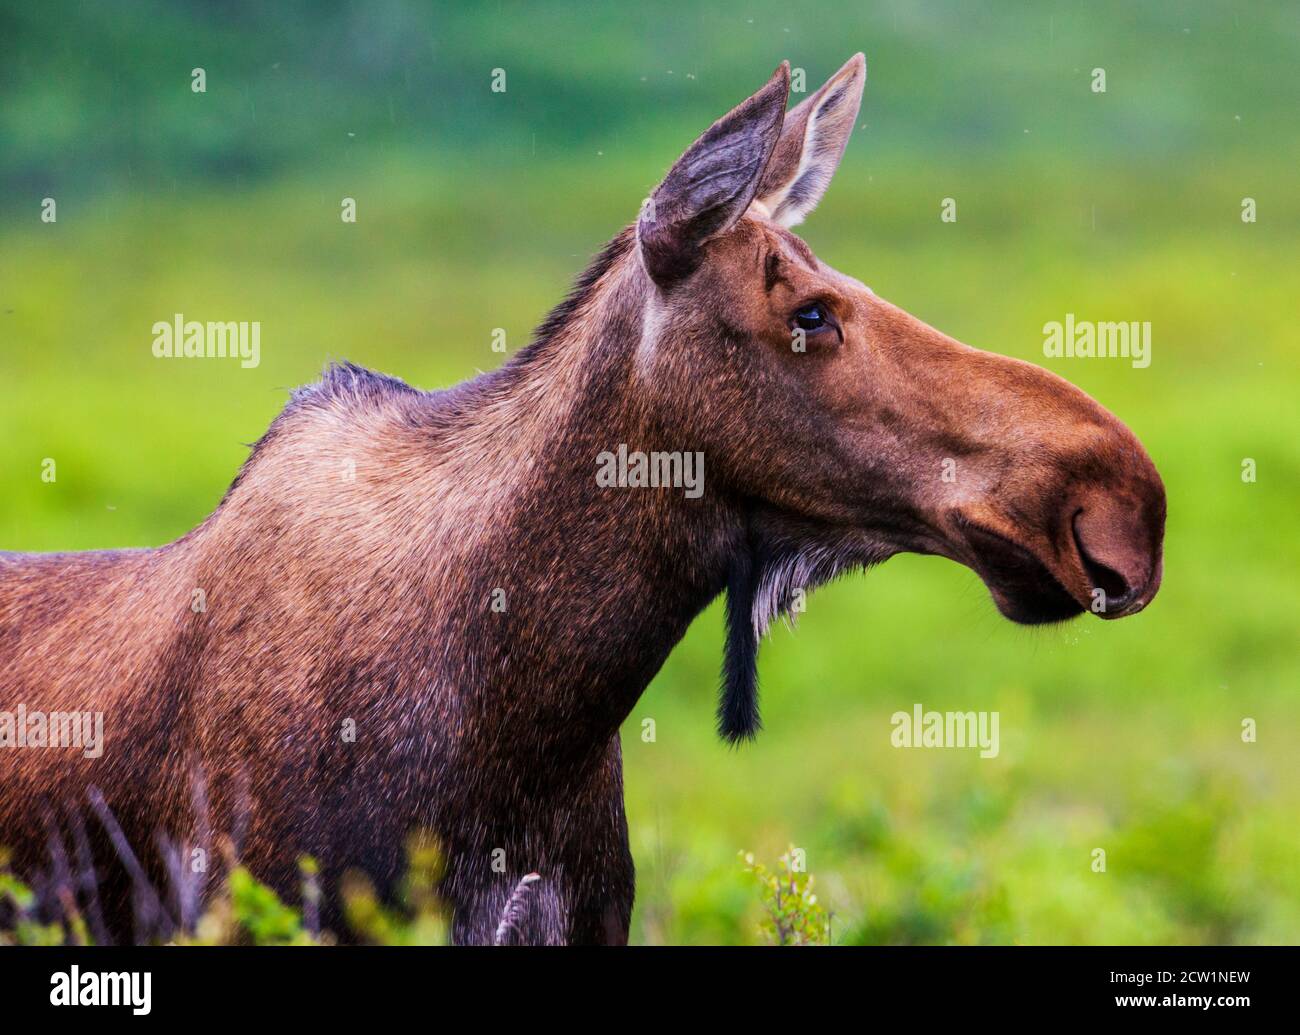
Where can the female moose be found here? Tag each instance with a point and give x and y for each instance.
(484, 614)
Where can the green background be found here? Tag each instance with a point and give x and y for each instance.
(476, 209)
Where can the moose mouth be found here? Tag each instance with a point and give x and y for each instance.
(1023, 587)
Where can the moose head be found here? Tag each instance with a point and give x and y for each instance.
(853, 430)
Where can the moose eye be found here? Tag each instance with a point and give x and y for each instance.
(810, 317)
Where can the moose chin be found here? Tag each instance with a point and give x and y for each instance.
(448, 637)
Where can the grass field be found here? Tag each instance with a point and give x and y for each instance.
(1125, 736)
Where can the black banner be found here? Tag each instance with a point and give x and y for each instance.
(144, 985)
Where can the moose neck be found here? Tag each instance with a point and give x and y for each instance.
(597, 582)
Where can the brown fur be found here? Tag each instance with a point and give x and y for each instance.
(370, 599)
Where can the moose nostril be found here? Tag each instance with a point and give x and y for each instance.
(1108, 580)
(1114, 562)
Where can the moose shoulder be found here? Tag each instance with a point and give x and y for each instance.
(419, 610)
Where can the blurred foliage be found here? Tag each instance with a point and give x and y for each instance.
(475, 210)
(24, 928)
(244, 911)
(422, 920)
(100, 93)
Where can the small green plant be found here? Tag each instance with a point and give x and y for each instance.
(793, 914)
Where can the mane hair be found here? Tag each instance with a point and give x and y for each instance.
(558, 318)
(340, 383)
(346, 382)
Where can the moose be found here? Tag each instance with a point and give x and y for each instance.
(443, 574)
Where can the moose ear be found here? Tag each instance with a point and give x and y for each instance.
(709, 188)
(812, 142)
